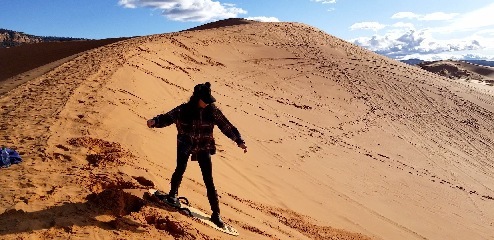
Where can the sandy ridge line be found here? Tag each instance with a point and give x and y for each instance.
(30, 56)
(25, 77)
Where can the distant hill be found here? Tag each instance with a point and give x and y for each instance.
(416, 61)
(9, 38)
(481, 62)
(460, 70)
(413, 61)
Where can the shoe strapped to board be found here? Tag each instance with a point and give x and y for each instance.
(170, 199)
(216, 219)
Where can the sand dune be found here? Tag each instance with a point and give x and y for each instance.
(460, 70)
(343, 143)
(23, 63)
(221, 23)
(480, 78)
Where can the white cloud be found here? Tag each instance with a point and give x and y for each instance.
(188, 10)
(264, 19)
(324, 1)
(410, 15)
(375, 26)
(436, 16)
(455, 36)
(480, 18)
(488, 33)
(404, 25)
(413, 42)
(453, 56)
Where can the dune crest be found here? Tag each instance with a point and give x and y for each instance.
(338, 137)
(222, 23)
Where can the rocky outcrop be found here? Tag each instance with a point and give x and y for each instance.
(9, 38)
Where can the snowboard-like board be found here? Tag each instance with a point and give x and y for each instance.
(192, 212)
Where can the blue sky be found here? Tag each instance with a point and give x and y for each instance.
(398, 29)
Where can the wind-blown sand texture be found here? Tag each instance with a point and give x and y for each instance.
(23, 63)
(338, 137)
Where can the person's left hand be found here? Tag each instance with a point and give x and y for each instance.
(151, 123)
(242, 146)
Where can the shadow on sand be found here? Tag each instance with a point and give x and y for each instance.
(113, 202)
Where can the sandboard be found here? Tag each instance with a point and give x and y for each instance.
(196, 213)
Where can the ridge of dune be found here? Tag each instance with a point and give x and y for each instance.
(343, 139)
(26, 62)
(29, 56)
(221, 23)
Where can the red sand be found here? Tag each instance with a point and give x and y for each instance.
(343, 143)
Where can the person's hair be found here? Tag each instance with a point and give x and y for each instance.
(191, 110)
(193, 100)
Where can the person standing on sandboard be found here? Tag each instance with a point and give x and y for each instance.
(195, 121)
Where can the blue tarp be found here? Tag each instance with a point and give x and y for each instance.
(15, 158)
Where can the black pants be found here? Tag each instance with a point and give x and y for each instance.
(204, 159)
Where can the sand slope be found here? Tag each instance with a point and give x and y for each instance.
(338, 137)
(23, 63)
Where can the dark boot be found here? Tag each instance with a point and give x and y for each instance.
(204, 159)
(177, 176)
(172, 198)
(216, 219)
(168, 198)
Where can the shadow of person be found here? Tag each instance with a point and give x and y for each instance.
(113, 202)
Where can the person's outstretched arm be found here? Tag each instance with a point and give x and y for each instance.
(164, 120)
(227, 128)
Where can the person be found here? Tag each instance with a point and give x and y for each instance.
(195, 121)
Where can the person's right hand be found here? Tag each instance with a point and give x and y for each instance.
(151, 123)
(242, 146)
